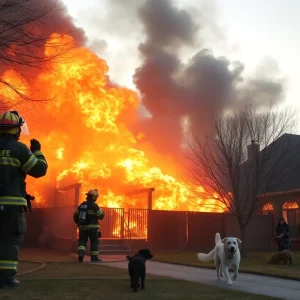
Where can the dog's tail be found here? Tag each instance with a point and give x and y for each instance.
(218, 238)
(128, 257)
(206, 257)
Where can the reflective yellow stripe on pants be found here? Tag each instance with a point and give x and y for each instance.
(8, 265)
(10, 200)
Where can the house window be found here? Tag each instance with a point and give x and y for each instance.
(290, 205)
(290, 212)
(267, 209)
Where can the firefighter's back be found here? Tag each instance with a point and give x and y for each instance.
(16, 161)
(12, 172)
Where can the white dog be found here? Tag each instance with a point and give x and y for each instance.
(226, 255)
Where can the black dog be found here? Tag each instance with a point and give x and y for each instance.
(137, 268)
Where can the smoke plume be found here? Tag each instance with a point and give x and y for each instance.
(172, 89)
(179, 77)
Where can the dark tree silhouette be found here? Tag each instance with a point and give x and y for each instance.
(24, 39)
(228, 160)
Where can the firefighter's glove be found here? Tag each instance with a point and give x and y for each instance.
(35, 145)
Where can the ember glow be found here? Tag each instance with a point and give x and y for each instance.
(85, 138)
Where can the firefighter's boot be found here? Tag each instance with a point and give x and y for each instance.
(95, 258)
(13, 283)
(80, 256)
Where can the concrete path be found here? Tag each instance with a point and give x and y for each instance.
(255, 284)
(106, 258)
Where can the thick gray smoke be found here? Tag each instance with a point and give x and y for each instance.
(172, 86)
(58, 20)
(172, 89)
(34, 21)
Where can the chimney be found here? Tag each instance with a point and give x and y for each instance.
(253, 150)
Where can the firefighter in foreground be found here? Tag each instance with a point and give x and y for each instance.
(86, 217)
(16, 161)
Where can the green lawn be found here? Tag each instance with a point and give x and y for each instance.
(256, 263)
(44, 255)
(74, 281)
(76, 270)
(119, 288)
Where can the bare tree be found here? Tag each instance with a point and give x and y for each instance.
(224, 162)
(24, 40)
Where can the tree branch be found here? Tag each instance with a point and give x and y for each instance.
(219, 161)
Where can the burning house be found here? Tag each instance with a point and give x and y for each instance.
(93, 136)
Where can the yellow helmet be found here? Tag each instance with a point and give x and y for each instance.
(93, 193)
(12, 123)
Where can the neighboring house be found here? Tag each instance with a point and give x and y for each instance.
(283, 197)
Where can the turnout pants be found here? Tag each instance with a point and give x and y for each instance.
(12, 230)
(84, 235)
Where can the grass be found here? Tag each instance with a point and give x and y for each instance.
(76, 270)
(73, 281)
(118, 288)
(26, 266)
(33, 254)
(68, 281)
(255, 263)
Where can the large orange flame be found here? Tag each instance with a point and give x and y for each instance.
(85, 139)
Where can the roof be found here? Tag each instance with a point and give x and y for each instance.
(288, 177)
(279, 193)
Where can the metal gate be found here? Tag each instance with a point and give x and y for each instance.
(118, 224)
(138, 223)
(112, 226)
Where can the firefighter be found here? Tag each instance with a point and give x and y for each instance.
(86, 218)
(16, 161)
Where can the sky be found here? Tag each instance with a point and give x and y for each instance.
(250, 31)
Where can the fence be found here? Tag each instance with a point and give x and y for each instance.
(195, 231)
(167, 230)
(112, 226)
(51, 223)
(119, 224)
(138, 223)
(57, 223)
(161, 230)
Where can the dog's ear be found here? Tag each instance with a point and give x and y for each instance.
(224, 240)
(238, 240)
